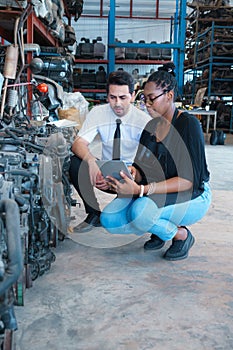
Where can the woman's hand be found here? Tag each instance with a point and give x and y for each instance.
(126, 187)
(135, 173)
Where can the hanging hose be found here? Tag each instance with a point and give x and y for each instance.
(10, 65)
(13, 242)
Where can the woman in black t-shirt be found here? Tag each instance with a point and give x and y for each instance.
(171, 187)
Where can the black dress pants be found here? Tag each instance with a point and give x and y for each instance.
(79, 175)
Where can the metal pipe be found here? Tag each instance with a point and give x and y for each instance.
(13, 242)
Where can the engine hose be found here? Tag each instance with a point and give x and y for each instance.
(33, 146)
(13, 242)
(18, 142)
(20, 131)
(11, 134)
(10, 142)
(21, 172)
(23, 203)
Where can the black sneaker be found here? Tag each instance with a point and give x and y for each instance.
(154, 243)
(179, 249)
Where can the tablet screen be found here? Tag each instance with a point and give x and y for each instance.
(113, 168)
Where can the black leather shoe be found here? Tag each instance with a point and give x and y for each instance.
(91, 221)
(154, 243)
(179, 249)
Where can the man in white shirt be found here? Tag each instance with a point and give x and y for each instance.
(101, 121)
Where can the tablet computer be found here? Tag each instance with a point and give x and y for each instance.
(113, 168)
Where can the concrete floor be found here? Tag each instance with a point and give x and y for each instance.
(106, 293)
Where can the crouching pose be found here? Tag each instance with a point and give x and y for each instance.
(171, 189)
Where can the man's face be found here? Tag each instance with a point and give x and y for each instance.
(120, 99)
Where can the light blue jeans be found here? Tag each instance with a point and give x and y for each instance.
(140, 215)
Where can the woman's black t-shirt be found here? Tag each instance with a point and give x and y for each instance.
(181, 153)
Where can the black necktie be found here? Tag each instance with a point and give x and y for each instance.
(116, 153)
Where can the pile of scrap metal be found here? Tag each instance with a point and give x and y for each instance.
(50, 12)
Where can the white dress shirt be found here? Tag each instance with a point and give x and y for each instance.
(101, 120)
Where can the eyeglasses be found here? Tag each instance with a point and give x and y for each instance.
(152, 100)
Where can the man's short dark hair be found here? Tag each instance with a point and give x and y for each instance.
(121, 78)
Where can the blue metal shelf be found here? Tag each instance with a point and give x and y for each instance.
(205, 59)
(178, 44)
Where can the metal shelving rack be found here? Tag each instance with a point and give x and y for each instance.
(178, 44)
(207, 59)
(36, 32)
(212, 50)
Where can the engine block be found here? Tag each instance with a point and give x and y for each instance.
(33, 173)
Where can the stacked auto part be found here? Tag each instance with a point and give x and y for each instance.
(58, 66)
(87, 49)
(32, 175)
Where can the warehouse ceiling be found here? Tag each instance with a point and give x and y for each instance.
(131, 8)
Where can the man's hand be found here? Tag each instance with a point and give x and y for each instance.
(96, 176)
(102, 184)
(94, 171)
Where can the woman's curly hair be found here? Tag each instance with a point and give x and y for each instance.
(164, 78)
